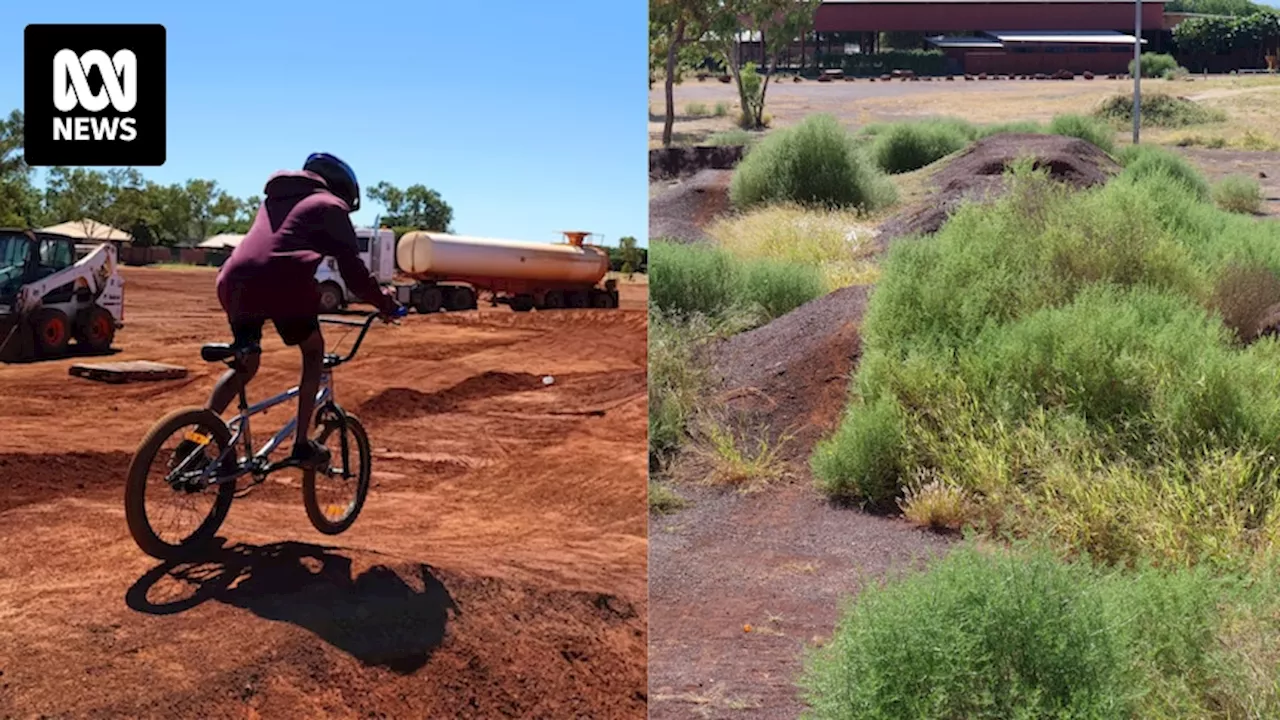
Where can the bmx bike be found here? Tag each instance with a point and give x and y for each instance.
(201, 473)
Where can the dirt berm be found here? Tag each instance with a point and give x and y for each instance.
(978, 174)
(792, 375)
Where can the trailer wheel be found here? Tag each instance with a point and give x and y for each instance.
(96, 329)
(52, 331)
(460, 298)
(576, 299)
(469, 300)
(600, 299)
(553, 300)
(522, 303)
(330, 297)
(430, 301)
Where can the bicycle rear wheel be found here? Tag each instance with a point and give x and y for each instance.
(185, 440)
(334, 497)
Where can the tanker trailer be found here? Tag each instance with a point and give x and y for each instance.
(451, 271)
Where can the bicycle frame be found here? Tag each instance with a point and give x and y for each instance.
(256, 463)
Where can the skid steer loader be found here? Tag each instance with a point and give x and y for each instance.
(47, 298)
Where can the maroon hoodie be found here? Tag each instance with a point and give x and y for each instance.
(271, 273)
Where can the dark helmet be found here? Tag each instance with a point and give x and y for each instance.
(338, 175)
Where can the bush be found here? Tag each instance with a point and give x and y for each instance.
(733, 137)
(814, 163)
(695, 278)
(703, 279)
(1016, 126)
(1142, 161)
(1059, 357)
(1025, 635)
(722, 109)
(696, 109)
(904, 147)
(1158, 110)
(777, 287)
(676, 381)
(1155, 65)
(1238, 194)
(1089, 129)
(921, 62)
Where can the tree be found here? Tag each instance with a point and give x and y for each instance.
(417, 207)
(19, 201)
(776, 23)
(630, 255)
(673, 26)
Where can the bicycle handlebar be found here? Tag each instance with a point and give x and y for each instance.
(333, 360)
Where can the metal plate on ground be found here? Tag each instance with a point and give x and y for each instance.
(131, 371)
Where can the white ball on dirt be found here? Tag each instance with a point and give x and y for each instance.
(548, 380)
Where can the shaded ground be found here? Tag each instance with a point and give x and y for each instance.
(780, 560)
(498, 568)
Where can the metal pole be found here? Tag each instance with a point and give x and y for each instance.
(1137, 68)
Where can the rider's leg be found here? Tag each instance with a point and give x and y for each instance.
(229, 384)
(312, 364)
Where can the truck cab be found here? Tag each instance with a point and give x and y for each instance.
(377, 252)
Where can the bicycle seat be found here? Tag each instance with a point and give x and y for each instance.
(219, 352)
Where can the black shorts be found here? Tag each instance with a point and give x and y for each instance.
(293, 331)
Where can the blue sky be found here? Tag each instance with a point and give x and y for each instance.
(527, 117)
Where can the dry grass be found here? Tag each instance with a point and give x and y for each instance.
(1252, 103)
(837, 242)
(939, 506)
(739, 459)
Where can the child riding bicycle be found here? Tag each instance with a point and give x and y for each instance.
(271, 276)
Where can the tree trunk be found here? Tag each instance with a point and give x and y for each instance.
(730, 50)
(673, 51)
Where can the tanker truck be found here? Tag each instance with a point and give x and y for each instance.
(450, 271)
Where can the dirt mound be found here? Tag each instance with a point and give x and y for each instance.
(792, 375)
(400, 403)
(677, 161)
(977, 175)
(36, 478)
(684, 210)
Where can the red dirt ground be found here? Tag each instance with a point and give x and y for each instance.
(497, 570)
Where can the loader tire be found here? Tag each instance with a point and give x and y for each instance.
(52, 330)
(96, 329)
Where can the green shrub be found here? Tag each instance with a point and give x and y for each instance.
(733, 137)
(1238, 194)
(814, 163)
(1158, 110)
(904, 147)
(1059, 357)
(676, 380)
(704, 279)
(1155, 65)
(1016, 126)
(1085, 128)
(1000, 635)
(693, 278)
(722, 109)
(777, 287)
(1141, 161)
(696, 109)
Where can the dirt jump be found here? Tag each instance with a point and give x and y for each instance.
(497, 569)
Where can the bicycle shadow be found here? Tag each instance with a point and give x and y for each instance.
(376, 617)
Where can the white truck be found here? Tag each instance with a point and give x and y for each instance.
(377, 251)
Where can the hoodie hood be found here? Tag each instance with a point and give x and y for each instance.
(294, 184)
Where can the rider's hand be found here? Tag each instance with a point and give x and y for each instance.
(391, 308)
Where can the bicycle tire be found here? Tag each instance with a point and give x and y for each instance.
(317, 517)
(135, 496)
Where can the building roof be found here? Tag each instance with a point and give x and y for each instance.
(964, 42)
(88, 229)
(225, 240)
(1103, 37)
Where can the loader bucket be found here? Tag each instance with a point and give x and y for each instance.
(17, 341)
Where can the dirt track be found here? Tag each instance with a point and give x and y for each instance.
(498, 568)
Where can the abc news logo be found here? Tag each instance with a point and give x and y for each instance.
(94, 95)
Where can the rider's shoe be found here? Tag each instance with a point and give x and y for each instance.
(310, 455)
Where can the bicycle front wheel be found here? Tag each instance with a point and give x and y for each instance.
(335, 495)
(169, 511)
